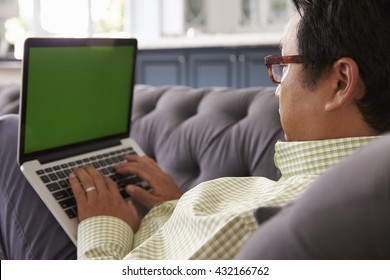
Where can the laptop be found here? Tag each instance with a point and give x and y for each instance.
(75, 109)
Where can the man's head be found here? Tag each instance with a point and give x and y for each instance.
(341, 88)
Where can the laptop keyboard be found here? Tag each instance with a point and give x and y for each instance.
(56, 177)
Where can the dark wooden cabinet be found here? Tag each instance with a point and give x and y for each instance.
(205, 67)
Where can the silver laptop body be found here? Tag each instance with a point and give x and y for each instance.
(75, 110)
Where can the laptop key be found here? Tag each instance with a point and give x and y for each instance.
(68, 202)
(53, 187)
(45, 179)
(67, 172)
(115, 159)
(69, 191)
(60, 195)
(49, 169)
(71, 213)
(105, 171)
(120, 158)
(64, 184)
(53, 176)
(61, 174)
(40, 172)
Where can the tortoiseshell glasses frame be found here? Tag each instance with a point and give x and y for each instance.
(276, 64)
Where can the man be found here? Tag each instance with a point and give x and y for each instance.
(333, 98)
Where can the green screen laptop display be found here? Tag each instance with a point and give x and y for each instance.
(77, 94)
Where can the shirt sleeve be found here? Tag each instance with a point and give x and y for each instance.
(104, 238)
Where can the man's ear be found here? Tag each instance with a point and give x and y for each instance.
(345, 79)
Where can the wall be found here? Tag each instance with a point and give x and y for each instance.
(10, 72)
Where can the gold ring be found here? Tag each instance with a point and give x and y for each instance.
(90, 189)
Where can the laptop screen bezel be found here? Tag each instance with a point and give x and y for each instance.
(70, 149)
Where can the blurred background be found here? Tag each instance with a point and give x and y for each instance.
(146, 20)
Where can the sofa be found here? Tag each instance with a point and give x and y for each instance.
(201, 134)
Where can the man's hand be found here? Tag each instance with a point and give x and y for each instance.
(97, 195)
(163, 186)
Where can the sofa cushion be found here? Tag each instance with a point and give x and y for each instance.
(345, 214)
(201, 134)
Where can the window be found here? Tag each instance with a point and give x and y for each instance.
(63, 18)
(143, 19)
(237, 15)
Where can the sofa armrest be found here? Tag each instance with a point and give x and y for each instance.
(202, 134)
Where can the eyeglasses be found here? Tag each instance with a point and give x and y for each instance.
(277, 63)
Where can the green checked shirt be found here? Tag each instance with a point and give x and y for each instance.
(214, 219)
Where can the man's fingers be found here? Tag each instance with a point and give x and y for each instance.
(112, 187)
(77, 189)
(97, 178)
(145, 173)
(84, 177)
(145, 168)
(142, 196)
(132, 208)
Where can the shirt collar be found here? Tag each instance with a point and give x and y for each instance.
(314, 157)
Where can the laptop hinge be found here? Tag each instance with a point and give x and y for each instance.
(69, 152)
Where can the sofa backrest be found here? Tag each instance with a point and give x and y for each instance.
(202, 134)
